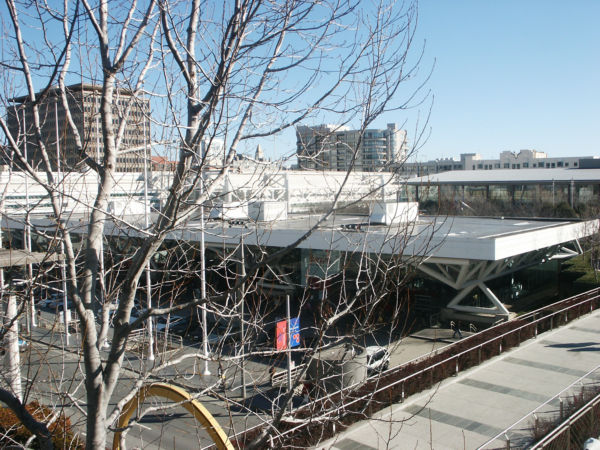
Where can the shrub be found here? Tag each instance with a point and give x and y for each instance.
(13, 431)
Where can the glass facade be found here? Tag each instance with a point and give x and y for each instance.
(506, 196)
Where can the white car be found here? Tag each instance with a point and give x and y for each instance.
(23, 346)
(378, 359)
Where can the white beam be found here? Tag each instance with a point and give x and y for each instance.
(489, 294)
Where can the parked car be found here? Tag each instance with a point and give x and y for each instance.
(61, 305)
(23, 346)
(55, 303)
(132, 317)
(378, 359)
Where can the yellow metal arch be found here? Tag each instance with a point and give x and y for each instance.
(178, 395)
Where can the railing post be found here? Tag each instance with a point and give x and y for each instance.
(402, 399)
(535, 334)
(500, 347)
(479, 354)
(562, 408)
(456, 367)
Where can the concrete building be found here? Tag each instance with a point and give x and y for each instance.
(22, 194)
(469, 268)
(84, 104)
(334, 147)
(524, 159)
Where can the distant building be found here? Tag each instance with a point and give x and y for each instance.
(213, 153)
(525, 159)
(163, 164)
(334, 147)
(84, 104)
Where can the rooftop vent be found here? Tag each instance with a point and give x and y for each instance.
(230, 211)
(394, 213)
(267, 211)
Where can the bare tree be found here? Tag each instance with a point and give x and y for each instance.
(234, 73)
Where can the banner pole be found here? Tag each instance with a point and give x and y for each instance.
(289, 348)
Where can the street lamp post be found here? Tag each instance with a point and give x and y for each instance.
(203, 281)
(31, 322)
(63, 270)
(147, 224)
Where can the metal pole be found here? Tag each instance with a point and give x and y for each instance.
(1, 270)
(203, 281)
(289, 348)
(242, 301)
(98, 160)
(31, 322)
(63, 269)
(147, 225)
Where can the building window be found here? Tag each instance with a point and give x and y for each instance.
(506, 165)
(525, 165)
(566, 164)
(553, 165)
(559, 164)
(497, 166)
(574, 164)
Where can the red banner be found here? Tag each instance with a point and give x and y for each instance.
(281, 335)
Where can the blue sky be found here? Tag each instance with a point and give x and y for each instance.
(511, 75)
(508, 75)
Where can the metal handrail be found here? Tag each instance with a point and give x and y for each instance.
(526, 416)
(588, 296)
(495, 338)
(566, 423)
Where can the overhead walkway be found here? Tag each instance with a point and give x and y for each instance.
(479, 404)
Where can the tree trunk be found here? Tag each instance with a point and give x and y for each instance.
(11, 340)
(96, 419)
